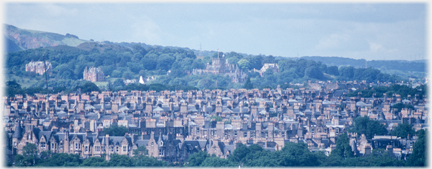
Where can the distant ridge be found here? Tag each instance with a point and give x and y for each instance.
(402, 65)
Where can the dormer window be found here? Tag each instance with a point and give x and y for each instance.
(161, 143)
(42, 144)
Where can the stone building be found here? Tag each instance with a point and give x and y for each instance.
(38, 67)
(93, 74)
(272, 66)
(220, 66)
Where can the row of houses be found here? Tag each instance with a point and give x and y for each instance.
(174, 124)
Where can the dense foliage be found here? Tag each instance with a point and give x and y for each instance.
(403, 130)
(419, 155)
(115, 130)
(368, 127)
(402, 90)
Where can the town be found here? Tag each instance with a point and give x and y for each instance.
(172, 125)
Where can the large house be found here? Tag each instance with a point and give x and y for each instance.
(220, 66)
(93, 74)
(39, 67)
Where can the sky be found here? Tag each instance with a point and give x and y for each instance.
(371, 31)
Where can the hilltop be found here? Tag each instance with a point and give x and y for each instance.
(21, 39)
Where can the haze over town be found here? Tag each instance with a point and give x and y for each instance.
(371, 31)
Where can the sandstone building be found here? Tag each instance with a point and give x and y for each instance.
(93, 74)
(220, 66)
(38, 67)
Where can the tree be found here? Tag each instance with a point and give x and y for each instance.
(118, 84)
(403, 130)
(239, 153)
(297, 154)
(196, 159)
(120, 161)
(115, 130)
(29, 154)
(363, 125)
(314, 72)
(89, 87)
(333, 70)
(95, 162)
(62, 159)
(12, 88)
(419, 155)
(248, 84)
(216, 162)
(343, 149)
(140, 151)
(244, 64)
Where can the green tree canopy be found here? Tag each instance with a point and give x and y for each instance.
(115, 130)
(363, 125)
(343, 149)
(419, 155)
(248, 84)
(196, 159)
(403, 130)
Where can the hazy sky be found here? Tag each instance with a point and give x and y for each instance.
(372, 31)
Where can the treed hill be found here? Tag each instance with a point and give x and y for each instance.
(402, 65)
(168, 65)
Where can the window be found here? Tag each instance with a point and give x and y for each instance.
(97, 148)
(76, 146)
(160, 152)
(42, 144)
(86, 148)
(197, 130)
(245, 134)
(116, 148)
(235, 133)
(161, 143)
(152, 144)
(124, 148)
(112, 149)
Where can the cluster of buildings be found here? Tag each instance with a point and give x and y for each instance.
(93, 74)
(175, 124)
(39, 67)
(220, 66)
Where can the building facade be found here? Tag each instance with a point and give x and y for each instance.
(220, 66)
(38, 67)
(93, 74)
